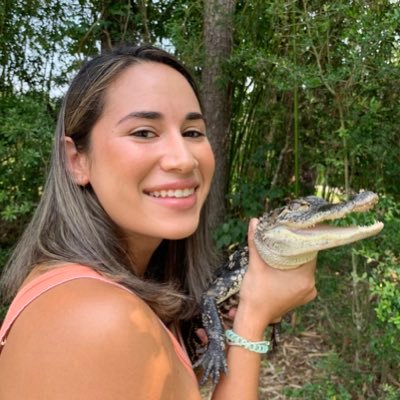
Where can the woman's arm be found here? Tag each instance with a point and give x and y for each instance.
(266, 294)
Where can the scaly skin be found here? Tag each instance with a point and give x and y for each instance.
(285, 238)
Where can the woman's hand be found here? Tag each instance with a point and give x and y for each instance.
(268, 293)
(265, 295)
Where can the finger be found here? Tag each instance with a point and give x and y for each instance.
(232, 313)
(202, 335)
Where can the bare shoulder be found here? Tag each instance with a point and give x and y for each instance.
(86, 306)
(90, 339)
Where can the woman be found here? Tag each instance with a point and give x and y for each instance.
(118, 247)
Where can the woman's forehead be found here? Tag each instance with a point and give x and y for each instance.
(150, 86)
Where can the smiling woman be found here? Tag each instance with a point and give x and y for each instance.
(147, 142)
(118, 254)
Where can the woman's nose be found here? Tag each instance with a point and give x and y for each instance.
(178, 155)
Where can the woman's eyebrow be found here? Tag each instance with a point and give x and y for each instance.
(141, 114)
(191, 116)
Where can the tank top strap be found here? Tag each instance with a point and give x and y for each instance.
(57, 276)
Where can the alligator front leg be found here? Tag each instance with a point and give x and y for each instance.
(213, 360)
(226, 284)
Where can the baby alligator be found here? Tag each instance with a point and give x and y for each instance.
(285, 238)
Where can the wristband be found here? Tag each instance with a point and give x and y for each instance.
(235, 340)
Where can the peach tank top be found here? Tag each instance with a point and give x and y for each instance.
(58, 276)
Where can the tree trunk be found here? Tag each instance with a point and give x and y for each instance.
(216, 94)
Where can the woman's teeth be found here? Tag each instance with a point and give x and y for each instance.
(173, 193)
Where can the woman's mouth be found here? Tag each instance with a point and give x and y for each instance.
(173, 193)
(180, 195)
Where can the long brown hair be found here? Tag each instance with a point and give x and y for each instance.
(70, 226)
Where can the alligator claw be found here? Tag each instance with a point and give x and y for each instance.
(213, 361)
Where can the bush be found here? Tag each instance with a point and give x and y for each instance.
(26, 127)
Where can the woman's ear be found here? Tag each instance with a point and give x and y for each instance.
(77, 163)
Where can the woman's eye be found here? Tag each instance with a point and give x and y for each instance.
(143, 133)
(193, 134)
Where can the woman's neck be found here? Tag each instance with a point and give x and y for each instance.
(140, 250)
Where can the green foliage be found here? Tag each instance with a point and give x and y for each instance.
(343, 57)
(230, 232)
(26, 129)
(384, 281)
(381, 257)
(385, 285)
(359, 310)
(36, 43)
(365, 354)
(322, 390)
(247, 200)
(336, 380)
(184, 30)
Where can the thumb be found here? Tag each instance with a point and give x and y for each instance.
(251, 232)
(253, 253)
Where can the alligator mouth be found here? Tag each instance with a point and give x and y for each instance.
(330, 231)
(305, 227)
(289, 242)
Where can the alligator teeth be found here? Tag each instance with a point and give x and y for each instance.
(179, 193)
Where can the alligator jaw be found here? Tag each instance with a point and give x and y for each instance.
(287, 248)
(297, 241)
(295, 234)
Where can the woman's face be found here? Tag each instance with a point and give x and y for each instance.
(149, 162)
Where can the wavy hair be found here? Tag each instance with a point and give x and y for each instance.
(70, 226)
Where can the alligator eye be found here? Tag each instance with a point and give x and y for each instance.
(295, 205)
(298, 205)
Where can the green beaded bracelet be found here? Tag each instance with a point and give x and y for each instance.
(235, 340)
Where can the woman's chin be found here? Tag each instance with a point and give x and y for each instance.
(180, 235)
